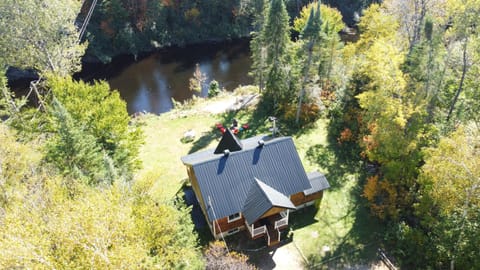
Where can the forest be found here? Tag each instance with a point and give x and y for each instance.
(401, 106)
(134, 27)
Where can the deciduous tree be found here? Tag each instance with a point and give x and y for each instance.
(450, 205)
(40, 34)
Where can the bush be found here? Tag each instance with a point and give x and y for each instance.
(309, 113)
(218, 258)
(214, 89)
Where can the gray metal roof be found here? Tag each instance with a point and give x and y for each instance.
(318, 182)
(262, 198)
(226, 180)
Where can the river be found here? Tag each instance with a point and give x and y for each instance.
(150, 83)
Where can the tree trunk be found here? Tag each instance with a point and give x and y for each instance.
(432, 100)
(305, 77)
(330, 63)
(462, 79)
(420, 11)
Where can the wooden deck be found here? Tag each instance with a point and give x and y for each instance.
(272, 232)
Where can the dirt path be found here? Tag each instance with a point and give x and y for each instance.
(230, 102)
(285, 257)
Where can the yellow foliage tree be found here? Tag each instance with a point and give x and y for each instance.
(52, 222)
(391, 119)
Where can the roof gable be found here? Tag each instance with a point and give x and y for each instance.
(228, 142)
(262, 198)
(227, 179)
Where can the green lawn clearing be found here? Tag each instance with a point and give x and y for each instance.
(163, 148)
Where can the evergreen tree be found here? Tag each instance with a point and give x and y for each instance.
(311, 35)
(257, 46)
(103, 114)
(423, 70)
(72, 149)
(278, 60)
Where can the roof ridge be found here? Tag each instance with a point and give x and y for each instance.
(258, 181)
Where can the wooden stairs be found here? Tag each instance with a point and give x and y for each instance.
(274, 236)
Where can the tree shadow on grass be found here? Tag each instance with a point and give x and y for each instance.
(337, 170)
(303, 217)
(341, 159)
(359, 246)
(260, 121)
(204, 140)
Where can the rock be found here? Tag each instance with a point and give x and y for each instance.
(188, 136)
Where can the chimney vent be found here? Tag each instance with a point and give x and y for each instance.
(261, 143)
(226, 152)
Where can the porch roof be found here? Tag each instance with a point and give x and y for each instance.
(262, 198)
(318, 183)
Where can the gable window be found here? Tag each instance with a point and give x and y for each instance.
(234, 217)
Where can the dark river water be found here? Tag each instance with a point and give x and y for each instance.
(150, 83)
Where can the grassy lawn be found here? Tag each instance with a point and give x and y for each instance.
(163, 148)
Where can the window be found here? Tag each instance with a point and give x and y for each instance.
(233, 231)
(234, 217)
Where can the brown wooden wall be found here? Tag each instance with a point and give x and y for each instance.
(225, 226)
(196, 187)
(300, 198)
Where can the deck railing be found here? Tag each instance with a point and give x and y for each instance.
(282, 222)
(259, 230)
(256, 231)
(268, 238)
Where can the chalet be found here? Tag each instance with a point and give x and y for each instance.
(252, 184)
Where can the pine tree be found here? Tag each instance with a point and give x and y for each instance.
(103, 114)
(311, 34)
(275, 35)
(72, 150)
(257, 46)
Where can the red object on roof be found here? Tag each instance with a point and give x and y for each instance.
(234, 129)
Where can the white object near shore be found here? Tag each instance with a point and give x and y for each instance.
(189, 135)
